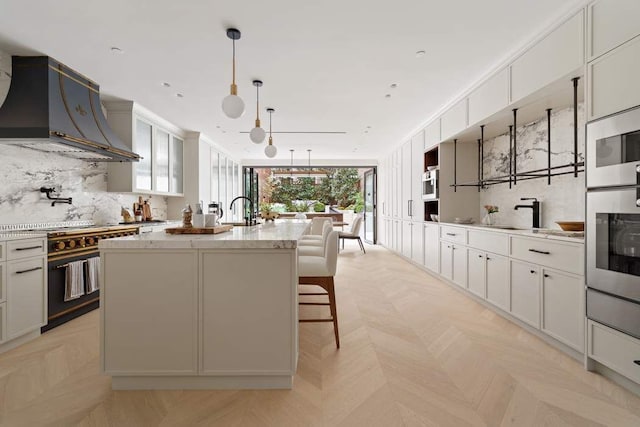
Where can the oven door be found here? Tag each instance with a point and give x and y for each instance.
(613, 150)
(430, 186)
(613, 242)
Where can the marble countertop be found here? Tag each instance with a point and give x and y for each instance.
(283, 234)
(21, 235)
(570, 237)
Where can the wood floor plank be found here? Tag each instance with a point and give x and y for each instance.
(414, 352)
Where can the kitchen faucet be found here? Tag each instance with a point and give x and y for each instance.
(248, 220)
(535, 206)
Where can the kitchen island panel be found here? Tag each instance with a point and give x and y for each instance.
(249, 307)
(149, 312)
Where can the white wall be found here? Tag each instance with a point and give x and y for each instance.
(564, 199)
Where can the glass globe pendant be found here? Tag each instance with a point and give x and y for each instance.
(233, 105)
(257, 134)
(270, 150)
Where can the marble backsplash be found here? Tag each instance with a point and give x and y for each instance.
(564, 199)
(23, 171)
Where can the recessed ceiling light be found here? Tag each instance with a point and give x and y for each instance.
(179, 95)
(393, 85)
(368, 127)
(224, 131)
(420, 53)
(117, 50)
(218, 126)
(388, 95)
(366, 131)
(165, 84)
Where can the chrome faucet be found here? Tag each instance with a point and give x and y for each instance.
(248, 220)
(535, 206)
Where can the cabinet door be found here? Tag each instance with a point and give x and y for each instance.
(432, 134)
(477, 273)
(406, 238)
(446, 260)
(525, 292)
(611, 23)
(431, 247)
(498, 280)
(3, 322)
(161, 155)
(454, 120)
(176, 165)
(143, 168)
(397, 236)
(26, 296)
(490, 97)
(563, 307)
(417, 250)
(613, 81)
(459, 265)
(3, 281)
(417, 169)
(405, 186)
(395, 183)
(557, 55)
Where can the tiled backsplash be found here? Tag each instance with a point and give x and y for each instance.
(24, 171)
(564, 199)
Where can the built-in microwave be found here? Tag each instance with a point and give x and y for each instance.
(613, 150)
(430, 185)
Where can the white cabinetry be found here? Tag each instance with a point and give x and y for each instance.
(557, 55)
(525, 292)
(432, 134)
(611, 23)
(454, 120)
(160, 143)
(431, 240)
(23, 287)
(491, 97)
(489, 277)
(407, 228)
(453, 262)
(563, 307)
(405, 182)
(417, 169)
(477, 272)
(446, 259)
(614, 349)
(613, 81)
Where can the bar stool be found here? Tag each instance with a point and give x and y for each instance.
(315, 247)
(317, 228)
(320, 271)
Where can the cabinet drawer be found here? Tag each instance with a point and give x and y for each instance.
(562, 256)
(453, 234)
(17, 249)
(498, 243)
(3, 251)
(614, 349)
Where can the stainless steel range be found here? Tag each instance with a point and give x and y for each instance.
(69, 242)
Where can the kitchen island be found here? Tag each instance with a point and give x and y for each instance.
(201, 311)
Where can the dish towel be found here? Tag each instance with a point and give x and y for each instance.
(74, 283)
(93, 274)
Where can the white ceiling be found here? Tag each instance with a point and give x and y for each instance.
(326, 65)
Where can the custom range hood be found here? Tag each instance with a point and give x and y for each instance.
(52, 108)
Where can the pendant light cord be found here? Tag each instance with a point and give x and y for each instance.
(234, 62)
(258, 104)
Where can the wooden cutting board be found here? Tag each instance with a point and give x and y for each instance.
(199, 230)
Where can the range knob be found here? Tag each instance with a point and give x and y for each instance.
(59, 246)
(90, 241)
(71, 244)
(80, 242)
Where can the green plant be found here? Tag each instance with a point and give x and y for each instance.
(318, 207)
(265, 207)
(300, 207)
(358, 206)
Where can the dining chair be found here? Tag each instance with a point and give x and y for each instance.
(354, 233)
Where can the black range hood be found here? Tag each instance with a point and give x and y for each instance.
(52, 108)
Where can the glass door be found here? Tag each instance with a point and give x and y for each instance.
(370, 206)
(250, 182)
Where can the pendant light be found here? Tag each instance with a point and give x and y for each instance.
(270, 150)
(233, 105)
(257, 134)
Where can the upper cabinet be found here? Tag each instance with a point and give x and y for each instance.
(160, 171)
(490, 97)
(611, 23)
(557, 55)
(454, 120)
(432, 134)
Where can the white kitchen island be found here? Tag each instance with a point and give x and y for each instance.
(201, 311)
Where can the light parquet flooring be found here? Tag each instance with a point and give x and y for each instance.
(414, 352)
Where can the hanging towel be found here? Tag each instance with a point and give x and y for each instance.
(93, 274)
(74, 283)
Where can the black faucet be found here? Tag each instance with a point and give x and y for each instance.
(248, 220)
(536, 210)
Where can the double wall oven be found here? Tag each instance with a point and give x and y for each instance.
(613, 221)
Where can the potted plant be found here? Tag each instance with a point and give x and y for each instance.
(267, 213)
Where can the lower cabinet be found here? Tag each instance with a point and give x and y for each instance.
(26, 295)
(453, 262)
(563, 307)
(3, 322)
(498, 290)
(417, 250)
(477, 272)
(525, 292)
(431, 247)
(406, 238)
